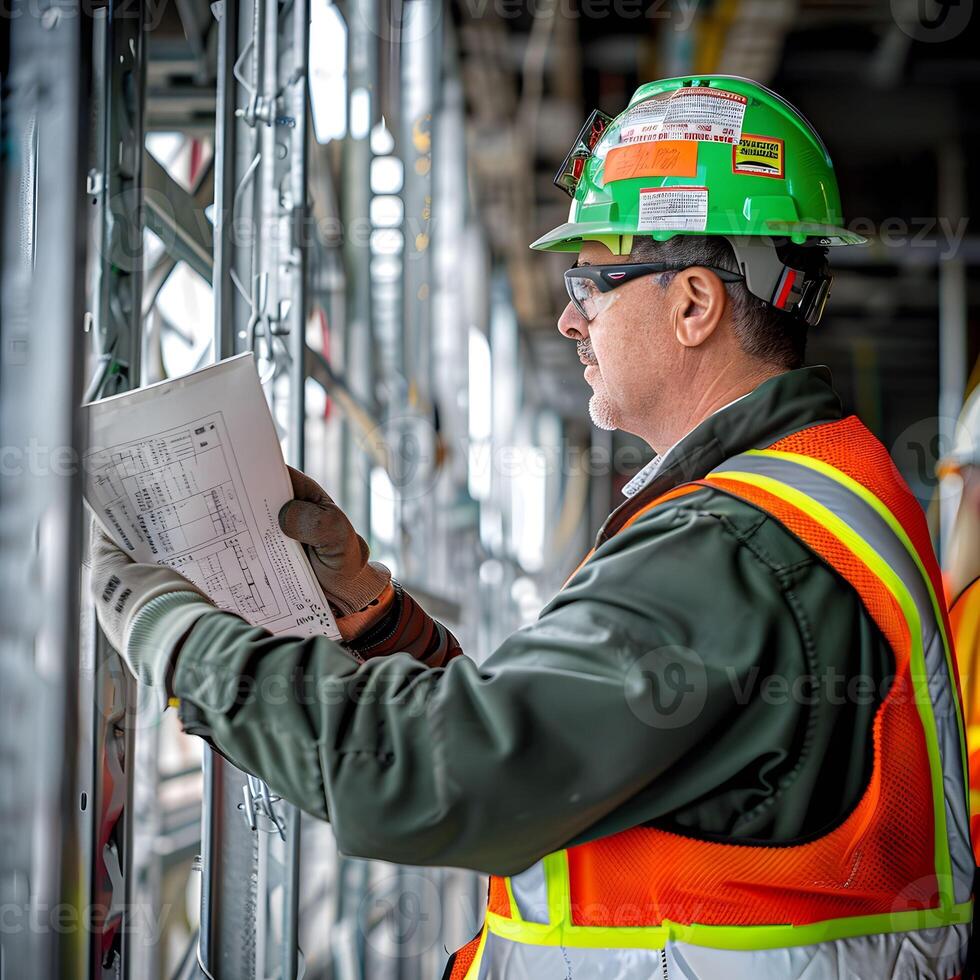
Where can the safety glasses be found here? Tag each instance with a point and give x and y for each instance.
(587, 283)
(570, 172)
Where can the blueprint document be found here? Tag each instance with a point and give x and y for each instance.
(189, 473)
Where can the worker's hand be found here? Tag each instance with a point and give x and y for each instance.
(338, 554)
(121, 589)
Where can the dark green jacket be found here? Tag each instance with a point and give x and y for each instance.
(703, 672)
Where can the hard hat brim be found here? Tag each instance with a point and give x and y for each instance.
(570, 236)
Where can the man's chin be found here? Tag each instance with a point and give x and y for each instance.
(602, 412)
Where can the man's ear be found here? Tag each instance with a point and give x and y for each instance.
(700, 304)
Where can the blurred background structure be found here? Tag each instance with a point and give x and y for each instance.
(348, 189)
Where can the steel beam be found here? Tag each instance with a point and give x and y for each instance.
(43, 246)
(115, 184)
(156, 277)
(413, 426)
(953, 313)
(250, 873)
(228, 849)
(177, 218)
(357, 329)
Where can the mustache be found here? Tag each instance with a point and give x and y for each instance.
(584, 349)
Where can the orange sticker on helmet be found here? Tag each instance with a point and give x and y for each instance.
(667, 158)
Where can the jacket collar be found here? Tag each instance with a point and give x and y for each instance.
(776, 408)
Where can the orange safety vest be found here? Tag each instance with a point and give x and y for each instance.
(964, 620)
(886, 893)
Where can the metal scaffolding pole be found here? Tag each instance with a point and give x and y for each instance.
(43, 252)
(413, 419)
(421, 50)
(953, 306)
(115, 184)
(250, 839)
(358, 324)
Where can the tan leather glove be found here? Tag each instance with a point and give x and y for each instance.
(338, 554)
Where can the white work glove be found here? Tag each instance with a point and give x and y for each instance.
(122, 590)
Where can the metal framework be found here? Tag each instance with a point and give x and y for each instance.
(255, 256)
(82, 831)
(115, 184)
(43, 246)
(251, 840)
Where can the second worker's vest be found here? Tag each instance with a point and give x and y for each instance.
(964, 618)
(887, 893)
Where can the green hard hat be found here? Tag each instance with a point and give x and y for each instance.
(699, 155)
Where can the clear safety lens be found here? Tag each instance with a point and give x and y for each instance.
(584, 294)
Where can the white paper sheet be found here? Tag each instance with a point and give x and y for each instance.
(189, 473)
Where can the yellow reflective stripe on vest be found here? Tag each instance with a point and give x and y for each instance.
(889, 518)
(948, 833)
(955, 911)
(564, 933)
(958, 826)
(936, 953)
(474, 971)
(561, 931)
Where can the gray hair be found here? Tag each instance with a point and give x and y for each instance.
(761, 330)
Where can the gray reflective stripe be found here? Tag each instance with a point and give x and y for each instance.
(531, 893)
(926, 954)
(506, 960)
(874, 530)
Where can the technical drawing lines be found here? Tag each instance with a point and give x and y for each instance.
(230, 574)
(177, 489)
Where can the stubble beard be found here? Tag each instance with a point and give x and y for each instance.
(601, 409)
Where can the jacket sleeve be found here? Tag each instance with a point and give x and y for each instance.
(642, 659)
(407, 628)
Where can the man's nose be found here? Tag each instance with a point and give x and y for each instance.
(572, 324)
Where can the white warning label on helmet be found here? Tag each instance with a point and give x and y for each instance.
(705, 114)
(673, 209)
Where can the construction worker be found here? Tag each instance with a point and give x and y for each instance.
(731, 745)
(963, 587)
